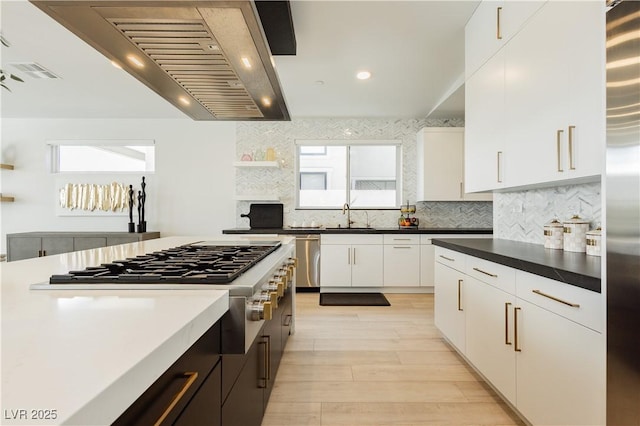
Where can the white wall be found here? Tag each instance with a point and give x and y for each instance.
(191, 191)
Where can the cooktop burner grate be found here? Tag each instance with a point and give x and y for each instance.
(188, 264)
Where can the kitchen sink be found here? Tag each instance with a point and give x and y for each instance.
(353, 229)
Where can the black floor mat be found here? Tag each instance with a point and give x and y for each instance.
(353, 299)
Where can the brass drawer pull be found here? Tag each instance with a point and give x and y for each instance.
(498, 162)
(515, 329)
(564, 302)
(459, 306)
(486, 273)
(192, 377)
(506, 323)
(571, 165)
(401, 247)
(498, 29)
(447, 258)
(558, 143)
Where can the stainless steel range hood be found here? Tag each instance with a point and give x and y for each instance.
(210, 59)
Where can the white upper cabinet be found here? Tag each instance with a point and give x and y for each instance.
(548, 124)
(492, 25)
(441, 166)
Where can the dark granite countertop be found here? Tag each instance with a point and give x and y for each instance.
(576, 269)
(306, 231)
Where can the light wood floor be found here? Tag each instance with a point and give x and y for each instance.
(377, 366)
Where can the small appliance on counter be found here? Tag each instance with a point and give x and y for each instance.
(575, 234)
(553, 235)
(406, 221)
(594, 242)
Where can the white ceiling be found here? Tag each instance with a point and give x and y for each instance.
(414, 49)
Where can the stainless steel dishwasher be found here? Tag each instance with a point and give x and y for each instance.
(308, 271)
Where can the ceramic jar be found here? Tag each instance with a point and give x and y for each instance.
(575, 234)
(553, 235)
(594, 242)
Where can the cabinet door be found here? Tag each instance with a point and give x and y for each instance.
(335, 265)
(440, 164)
(537, 78)
(489, 335)
(427, 262)
(205, 408)
(57, 245)
(449, 300)
(485, 158)
(482, 35)
(86, 243)
(113, 241)
(244, 406)
(24, 247)
(401, 265)
(560, 369)
(366, 265)
(586, 53)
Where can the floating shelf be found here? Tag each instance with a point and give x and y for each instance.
(7, 199)
(273, 164)
(6, 166)
(266, 197)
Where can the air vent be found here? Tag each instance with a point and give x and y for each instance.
(34, 70)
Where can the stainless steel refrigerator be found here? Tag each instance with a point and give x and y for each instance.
(623, 213)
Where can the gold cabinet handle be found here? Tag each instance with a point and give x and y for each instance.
(506, 323)
(564, 302)
(485, 272)
(571, 165)
(192, 377)
(498, 29)
(515, 329)
(447, 258)
(461, 190)
(499, 163)
(401, 247)
(268, 357)
(558, 143)
(349, 256)
(264, 364)
(354, 255)
(459, 285)
(287, 320)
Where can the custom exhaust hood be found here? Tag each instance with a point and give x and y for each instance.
(210, 59)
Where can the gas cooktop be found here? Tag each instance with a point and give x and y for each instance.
(197, 263)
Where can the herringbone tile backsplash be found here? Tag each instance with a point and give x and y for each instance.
(256, 137)
(521, 216)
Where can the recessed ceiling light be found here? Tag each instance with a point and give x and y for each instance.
(319, 82)
(363, 75)
(246, 62)
(115, 64)
(184, 100)
(135, 61)
(266, 101)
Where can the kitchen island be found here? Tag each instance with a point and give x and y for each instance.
(83, 356)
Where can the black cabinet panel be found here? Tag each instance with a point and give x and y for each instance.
(205, 408)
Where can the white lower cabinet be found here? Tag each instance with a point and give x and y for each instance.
(401, 260)
(351, 260)
(489, 340)
(536, 340)
(560, 369)
(449, 309)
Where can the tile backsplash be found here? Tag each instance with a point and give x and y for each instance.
(256, 137)
(521, 216)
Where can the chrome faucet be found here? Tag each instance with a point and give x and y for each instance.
(346, 208)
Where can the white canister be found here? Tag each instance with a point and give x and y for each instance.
(553, 235)
(575, 234)
(594, 239)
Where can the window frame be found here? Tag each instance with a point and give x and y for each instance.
(54, 154)
(349, 143)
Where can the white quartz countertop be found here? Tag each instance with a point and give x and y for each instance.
(83, 356)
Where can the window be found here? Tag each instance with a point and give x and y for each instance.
(365, 174)
(102, 156)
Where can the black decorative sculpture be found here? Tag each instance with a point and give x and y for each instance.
(132, 226)
(144, 199)
(139, 211)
